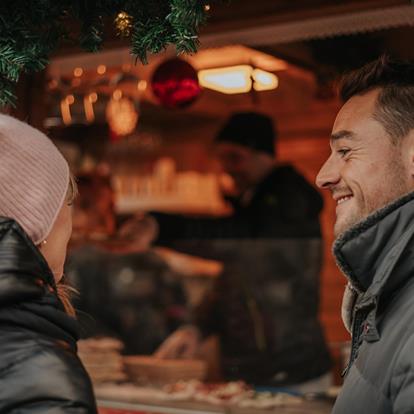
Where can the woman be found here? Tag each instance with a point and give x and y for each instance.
(39, 369)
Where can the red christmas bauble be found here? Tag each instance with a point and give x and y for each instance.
(175, 83)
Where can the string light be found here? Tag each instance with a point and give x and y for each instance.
(142, 85)
(101, 69)
(78, 72)
(70, 99)
(123, 24)
(65, 109)
(93, 97)
(88, 102)
(207, 7)
(117, 95)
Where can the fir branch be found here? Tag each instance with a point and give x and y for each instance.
(151, 36)
(7, 95)
(31, 30)
(185, 17)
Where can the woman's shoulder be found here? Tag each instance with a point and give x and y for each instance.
(34, 365)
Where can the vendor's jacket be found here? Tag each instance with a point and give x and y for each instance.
(39, 369)
(264, 306)
(377, 257)
(144, 300)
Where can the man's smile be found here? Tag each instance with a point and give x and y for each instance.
(343, 199)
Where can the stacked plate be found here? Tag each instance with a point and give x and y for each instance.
(154, 371)
(102, 359)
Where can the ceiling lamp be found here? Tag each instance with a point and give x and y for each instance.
(264, 81)
(231, 79)
(237, 79)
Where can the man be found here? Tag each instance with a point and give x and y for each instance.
(264, 305)
(271, 199)
(370, 173)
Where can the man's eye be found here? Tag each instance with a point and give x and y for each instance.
(343, 151)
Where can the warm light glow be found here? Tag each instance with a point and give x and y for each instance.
(142, 85)
(101, 69)
(123, 23)
(122, 116)
(264, 81)
(88, 107)
(117, 95)
(65, 111)
(70, 99)
(207, 7)
(78, 72)
(231, 79)
(93, 97)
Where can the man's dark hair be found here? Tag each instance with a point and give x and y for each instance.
(395, 103)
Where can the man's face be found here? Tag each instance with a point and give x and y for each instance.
(239, 162)
(365, 170)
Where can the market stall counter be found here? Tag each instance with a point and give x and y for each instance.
(129, 398)
(146, 384)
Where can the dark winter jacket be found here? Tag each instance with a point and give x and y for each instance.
(39, 369)
(264, 306)
(284, 204)
(377, 256)
(144, 300)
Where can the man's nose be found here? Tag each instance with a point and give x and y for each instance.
(328, 174)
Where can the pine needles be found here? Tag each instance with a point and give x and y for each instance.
(31, 29)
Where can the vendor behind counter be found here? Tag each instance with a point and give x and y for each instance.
(265, 306)
(126, 289)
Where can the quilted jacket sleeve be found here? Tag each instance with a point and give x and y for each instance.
(402, 384)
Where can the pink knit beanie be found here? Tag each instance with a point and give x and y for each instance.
(34, 177)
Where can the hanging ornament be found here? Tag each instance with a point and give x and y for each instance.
(121, 114)
(175, 83)
(123, 24)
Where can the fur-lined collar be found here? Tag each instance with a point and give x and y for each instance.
(370, 250)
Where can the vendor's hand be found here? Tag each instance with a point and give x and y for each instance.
(183, 343)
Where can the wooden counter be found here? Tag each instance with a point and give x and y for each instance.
(131, 400)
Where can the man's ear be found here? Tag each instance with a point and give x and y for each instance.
(408, 148)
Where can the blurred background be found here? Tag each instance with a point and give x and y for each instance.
(140, 138)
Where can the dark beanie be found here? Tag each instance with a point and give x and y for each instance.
(249, 129)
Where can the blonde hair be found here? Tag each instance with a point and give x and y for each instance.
(65, 292)
(63, 289)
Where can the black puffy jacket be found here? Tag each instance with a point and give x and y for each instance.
(39, 369)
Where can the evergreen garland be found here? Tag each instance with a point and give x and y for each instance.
(31, 29)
